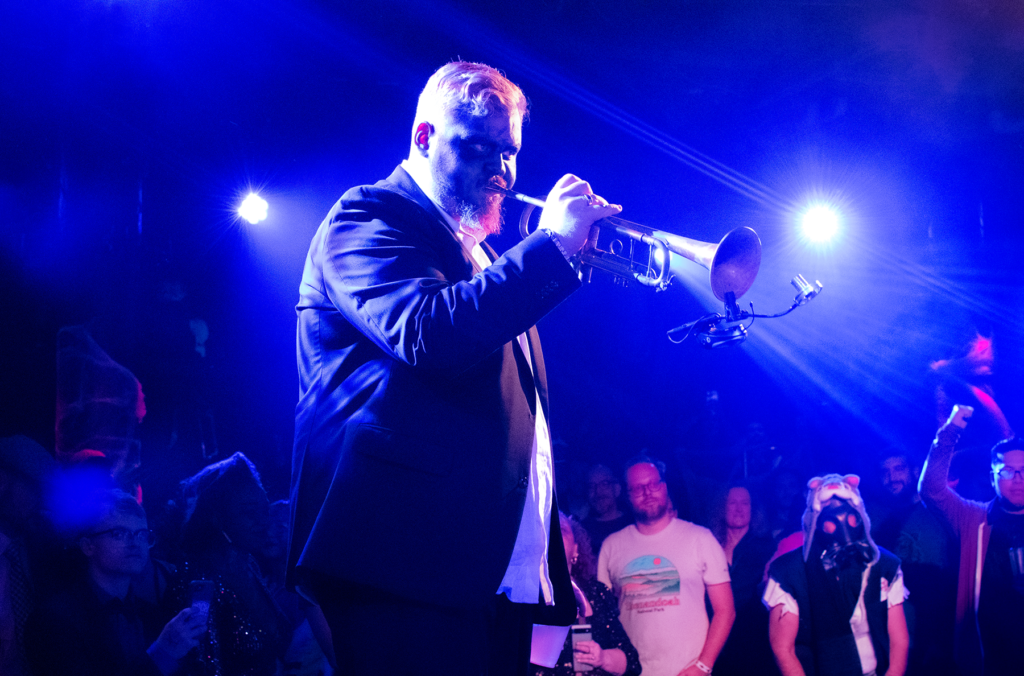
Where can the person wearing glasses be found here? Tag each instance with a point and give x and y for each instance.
(990, 589)
(96, 625)
(660, 568)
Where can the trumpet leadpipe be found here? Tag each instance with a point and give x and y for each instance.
(517, 196)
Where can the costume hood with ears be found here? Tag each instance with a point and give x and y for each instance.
(821, 489)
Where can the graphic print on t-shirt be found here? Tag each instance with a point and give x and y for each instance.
(649, 583)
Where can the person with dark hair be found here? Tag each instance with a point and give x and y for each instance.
(422, 490)
(661, 568)
(990, 590)
(742, 530)
(923, 542)
(837, 603)
(95, 625)
(226, 524)
(605, 517)
(610, 651)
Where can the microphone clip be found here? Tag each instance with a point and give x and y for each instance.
(726, 329)
(716, 330)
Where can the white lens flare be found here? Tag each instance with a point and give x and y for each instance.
(659, 256)
(820, 223)
(253, 209)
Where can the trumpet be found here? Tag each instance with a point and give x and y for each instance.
(732, 263)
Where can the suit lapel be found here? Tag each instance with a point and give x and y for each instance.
(405, 185)
(531, 379)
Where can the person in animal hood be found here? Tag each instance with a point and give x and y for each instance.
(836, 604)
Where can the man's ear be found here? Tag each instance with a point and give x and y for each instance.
(86, 545)
(421, 137)
(617, 490)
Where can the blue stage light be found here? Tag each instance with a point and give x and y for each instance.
(253, 208)
(820, 223)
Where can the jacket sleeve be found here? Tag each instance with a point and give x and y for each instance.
(934, 486)
(384, 270)
(607, 628)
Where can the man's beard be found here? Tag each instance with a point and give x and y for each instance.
(476, 219)
(486, 219)
(896, 488)
(652, 515)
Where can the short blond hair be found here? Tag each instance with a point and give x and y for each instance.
(464, 89)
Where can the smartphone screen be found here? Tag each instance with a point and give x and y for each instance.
(579, 632)
(201, 592)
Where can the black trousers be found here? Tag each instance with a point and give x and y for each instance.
(376, 633)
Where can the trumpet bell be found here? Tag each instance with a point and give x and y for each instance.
(732, 264)
(736, 262)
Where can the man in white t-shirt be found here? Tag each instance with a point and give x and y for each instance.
(660, 569)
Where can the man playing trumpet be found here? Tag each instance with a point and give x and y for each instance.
(424, 521)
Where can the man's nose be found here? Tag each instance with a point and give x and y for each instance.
(495, 164)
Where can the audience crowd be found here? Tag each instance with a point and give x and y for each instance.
(782, 572)
(89, 588)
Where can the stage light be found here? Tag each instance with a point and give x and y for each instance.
(253, 209)
(820, 223)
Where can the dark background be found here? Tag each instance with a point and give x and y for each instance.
(130, 130)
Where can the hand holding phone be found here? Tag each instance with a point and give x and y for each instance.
(580, 633)
(201, 593)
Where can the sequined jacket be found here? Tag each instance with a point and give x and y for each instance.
(606, 630)
(234, 645)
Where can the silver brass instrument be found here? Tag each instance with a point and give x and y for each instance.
(732, 263)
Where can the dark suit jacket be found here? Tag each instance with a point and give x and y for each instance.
(415, 422)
